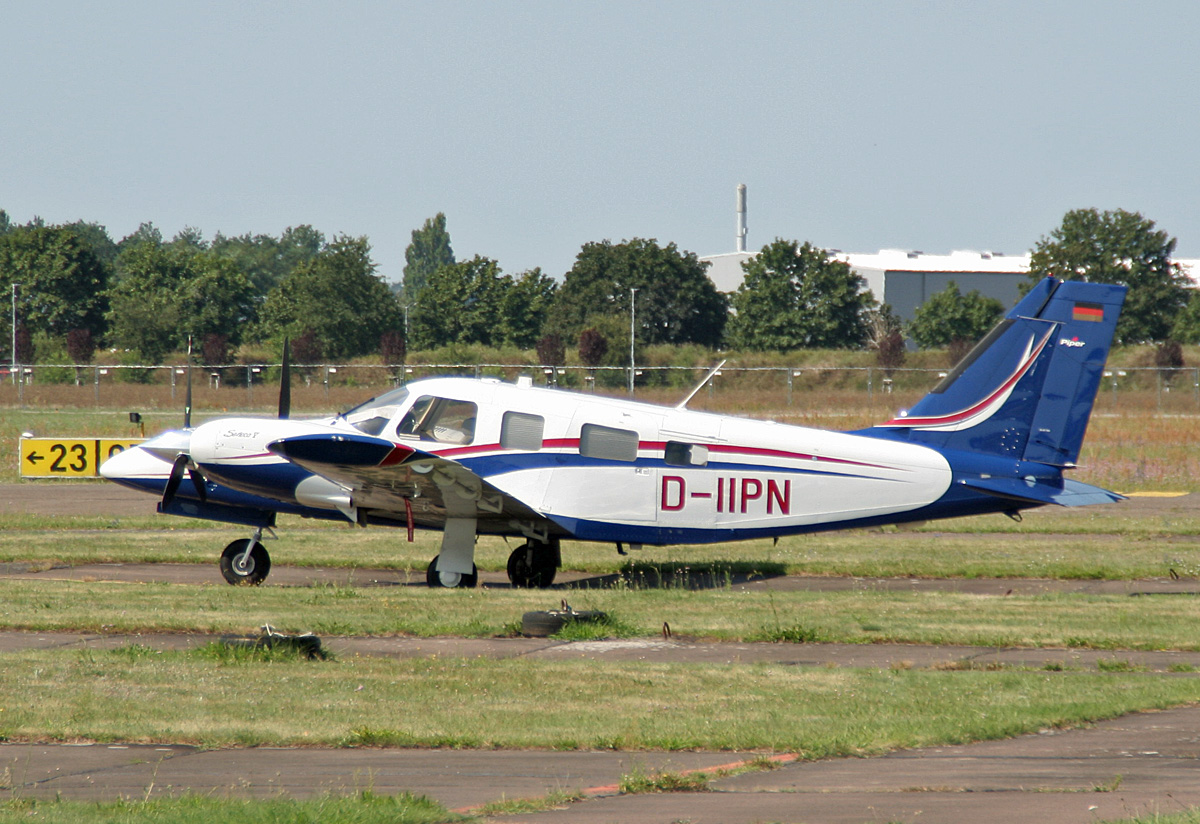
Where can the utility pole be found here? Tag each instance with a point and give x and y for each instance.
(13, 370)
(632, 334)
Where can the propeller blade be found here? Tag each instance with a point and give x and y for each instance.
(175, 478)
(200, 482)
(285, 382)
(187, 404)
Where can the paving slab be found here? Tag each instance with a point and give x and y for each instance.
(455, 778)
(1136, 765)
(1140, 764)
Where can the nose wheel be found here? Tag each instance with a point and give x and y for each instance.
(451, 580)
(245, 563)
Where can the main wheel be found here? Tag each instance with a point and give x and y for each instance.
(241, 567)
(451, 580)
(532, 566)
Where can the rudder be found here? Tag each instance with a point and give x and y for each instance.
(1027, 389)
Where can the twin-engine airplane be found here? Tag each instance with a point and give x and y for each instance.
(472, 457)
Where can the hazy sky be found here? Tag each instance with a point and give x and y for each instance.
(539, 126)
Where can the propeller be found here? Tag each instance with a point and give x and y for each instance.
(285, 383)
(183, 462)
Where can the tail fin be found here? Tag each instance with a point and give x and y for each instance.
(1027, 389)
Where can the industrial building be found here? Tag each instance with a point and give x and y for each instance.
(905, 279)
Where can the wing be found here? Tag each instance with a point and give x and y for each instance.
(388, 480)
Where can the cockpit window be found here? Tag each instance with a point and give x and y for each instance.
(372, 416)
(439, 419)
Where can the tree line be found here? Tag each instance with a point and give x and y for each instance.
(145, 297)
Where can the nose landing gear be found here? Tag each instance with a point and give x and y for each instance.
(247, 562)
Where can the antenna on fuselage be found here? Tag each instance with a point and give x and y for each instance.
(683, 404)
(187, 403)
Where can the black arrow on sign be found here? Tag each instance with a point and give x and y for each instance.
(35, 457)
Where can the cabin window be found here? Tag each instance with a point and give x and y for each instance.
(521, 431)
(685, 454)
(609, 444)
(439, 419)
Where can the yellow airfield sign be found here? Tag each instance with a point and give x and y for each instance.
(69, 457)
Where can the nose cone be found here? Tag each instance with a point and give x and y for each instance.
(138, 469)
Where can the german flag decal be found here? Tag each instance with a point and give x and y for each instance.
(1088, 311)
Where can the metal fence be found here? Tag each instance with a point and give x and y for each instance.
(328, 386)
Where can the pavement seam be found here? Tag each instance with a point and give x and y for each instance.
(615, 789)
(163, 757)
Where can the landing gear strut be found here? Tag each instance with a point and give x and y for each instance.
(246, 562)
(534, 564)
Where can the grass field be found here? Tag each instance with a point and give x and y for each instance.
(216, 701)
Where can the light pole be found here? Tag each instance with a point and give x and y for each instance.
(13, 369)
(632, 333)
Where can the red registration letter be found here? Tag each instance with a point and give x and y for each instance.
(680, 488)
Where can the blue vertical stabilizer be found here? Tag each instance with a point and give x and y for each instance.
(1026, 390)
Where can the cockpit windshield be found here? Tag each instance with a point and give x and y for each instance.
(373, 415)
(439, 419)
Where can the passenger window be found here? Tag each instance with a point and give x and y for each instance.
(685, 454)
(609, 444)
(439, 419)
(521, 431)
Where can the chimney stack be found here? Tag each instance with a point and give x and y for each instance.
(741, 217)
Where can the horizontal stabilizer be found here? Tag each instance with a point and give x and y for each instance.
(1071, 493)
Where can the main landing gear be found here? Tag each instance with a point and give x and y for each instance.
(246, 562)
(531, 565)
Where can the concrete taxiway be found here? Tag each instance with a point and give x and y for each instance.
(1137, 765)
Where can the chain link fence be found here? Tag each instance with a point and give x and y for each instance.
(748, 390)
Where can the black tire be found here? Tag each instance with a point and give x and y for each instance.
(450, 580)
(532, 566)
(252, 570)
(547, 622)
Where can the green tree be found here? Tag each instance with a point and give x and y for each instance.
(146, 232)
(170, 292)
(145, 314)
(189, 238)
(1187, 323)
(460, 303)
(429, 251)
(339, 297)
(96, 238)
(795, 297)
(525, 304)
(675, 302)
(266, 260)
(1118, 247)
(951, 316)
(61, 282)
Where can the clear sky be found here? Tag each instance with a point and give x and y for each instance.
(539, 126)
